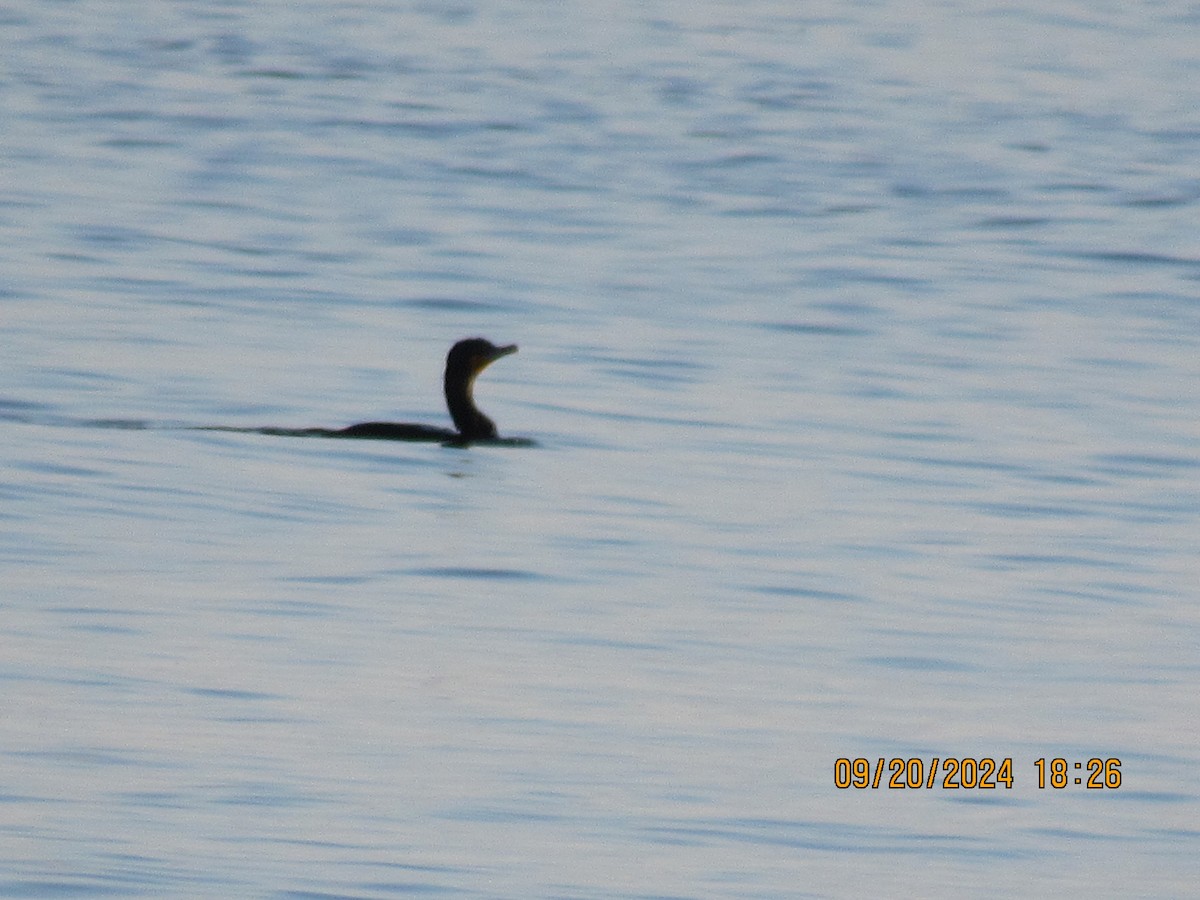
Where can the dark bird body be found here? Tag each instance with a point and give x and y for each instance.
(464, 362)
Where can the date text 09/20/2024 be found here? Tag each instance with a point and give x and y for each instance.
(966, 773)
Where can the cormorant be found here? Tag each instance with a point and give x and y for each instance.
(464, 362)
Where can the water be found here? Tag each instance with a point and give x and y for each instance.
(860, 347)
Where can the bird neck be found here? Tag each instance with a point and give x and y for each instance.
(469, 421)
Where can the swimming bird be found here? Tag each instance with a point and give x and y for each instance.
(464, 362)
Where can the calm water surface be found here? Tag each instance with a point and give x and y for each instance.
(861, 347)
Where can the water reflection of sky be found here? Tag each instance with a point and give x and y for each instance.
(860, 350)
